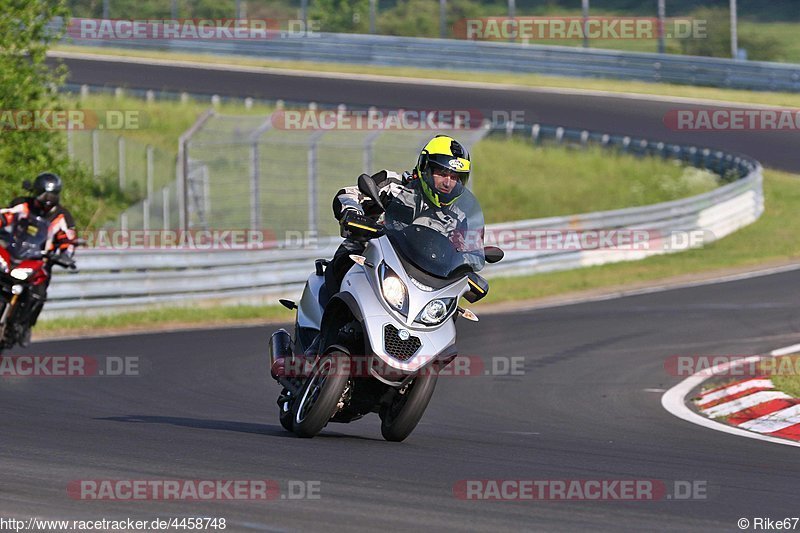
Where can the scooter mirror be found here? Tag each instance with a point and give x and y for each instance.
(368, 187)
(493, 254)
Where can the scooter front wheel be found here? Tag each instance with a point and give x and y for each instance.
(399, 418)
(319, 396)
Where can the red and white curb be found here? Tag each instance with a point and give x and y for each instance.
(754, 408)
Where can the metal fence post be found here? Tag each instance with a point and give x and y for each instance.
(165, 207)
(95, 153)
(255, 175)
(148, 188)
(313, 181)
(146, 214)
(369, 148)
(255, 189)
(442, 19)
(149, 171)
(182, 168)
(206, 195)
(70, 147)
(121, 161)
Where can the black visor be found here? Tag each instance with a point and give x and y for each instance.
(49, 198)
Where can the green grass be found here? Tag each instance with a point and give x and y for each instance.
(166, 316)
(772, 238)
(784, 32)
(514, 180)
(530, 80)
(785, 376)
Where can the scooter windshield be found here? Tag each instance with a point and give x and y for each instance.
(446, 242)
(28, 238)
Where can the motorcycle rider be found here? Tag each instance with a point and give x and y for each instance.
(43, 202)
(441, 174)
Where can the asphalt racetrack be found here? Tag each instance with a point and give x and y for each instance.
(203, 408)
(586, 405)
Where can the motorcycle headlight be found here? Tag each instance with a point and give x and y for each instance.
(21, 273)
(394, 290)
(435, 312)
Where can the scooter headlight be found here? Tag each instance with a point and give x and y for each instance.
(394, 290)
(435, 312)
(21, 273)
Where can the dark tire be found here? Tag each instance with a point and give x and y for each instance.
(400, 418)
(316, 403)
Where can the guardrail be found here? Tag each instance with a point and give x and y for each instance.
(130, 279)
(381, 50)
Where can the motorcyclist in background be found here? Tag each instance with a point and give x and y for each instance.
(45, 203)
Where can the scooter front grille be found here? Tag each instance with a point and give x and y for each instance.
(398, 348)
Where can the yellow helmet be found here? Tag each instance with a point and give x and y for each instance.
(446, 153)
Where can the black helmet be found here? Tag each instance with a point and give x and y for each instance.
(47, 190)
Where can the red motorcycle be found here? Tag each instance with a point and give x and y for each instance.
(25, 270)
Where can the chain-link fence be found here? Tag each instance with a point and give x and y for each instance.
(138, 168)
(243, 172)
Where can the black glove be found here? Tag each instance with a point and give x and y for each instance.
(356, 226)
(64, 260)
